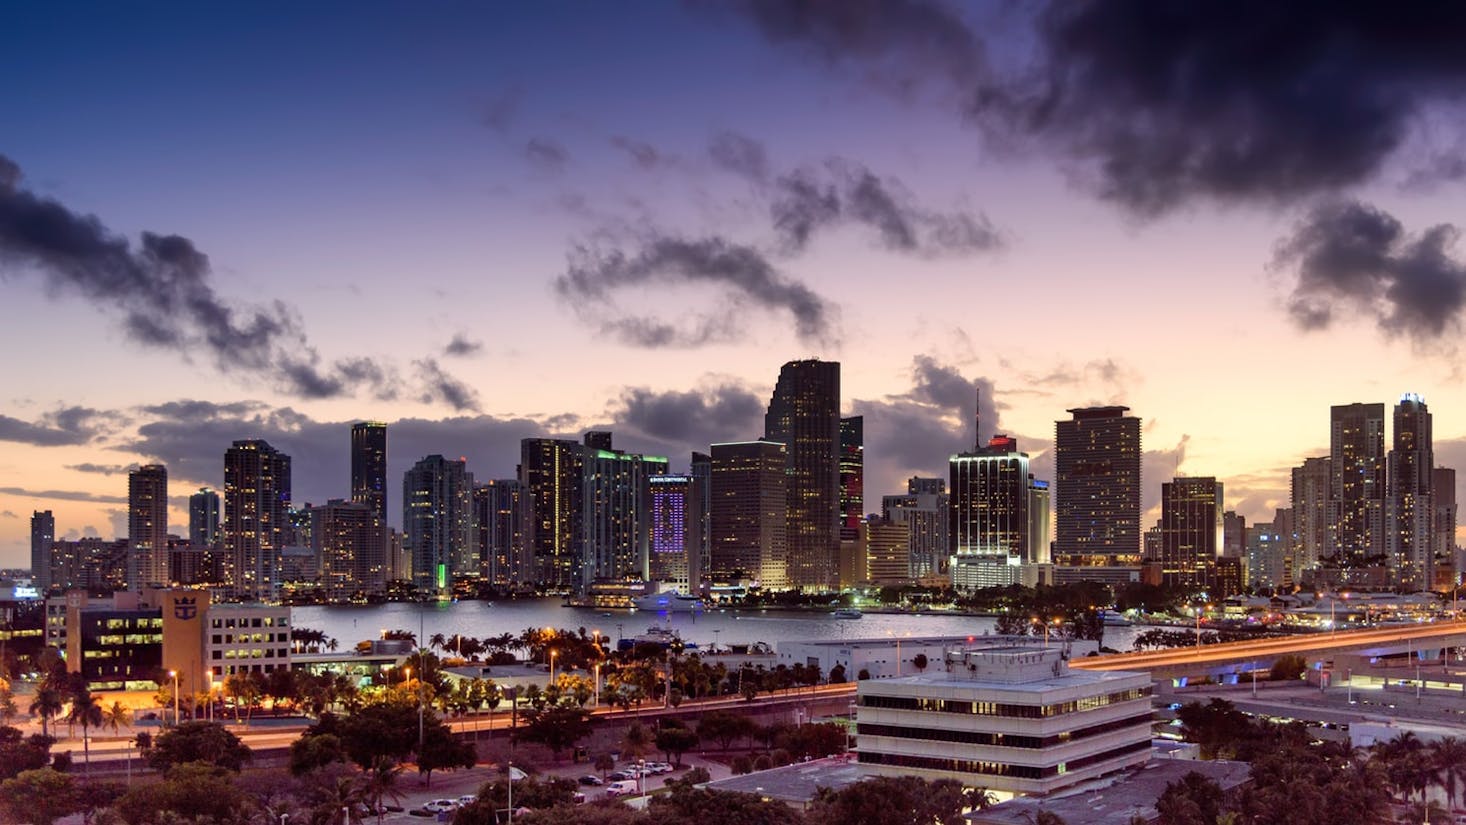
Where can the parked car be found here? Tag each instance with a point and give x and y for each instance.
(591, 779)
(438, 806)
(623, 775)
(466, 800)
(659, 767)
(625, 787)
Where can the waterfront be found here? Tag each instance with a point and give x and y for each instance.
(349, 624)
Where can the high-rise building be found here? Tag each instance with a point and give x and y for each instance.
(1191, 534)
(1234, 535)
(551, 481)
(887, 552)
(1443, 531)
(701, 470)
(676, 525)
(749, 517)
(1357, 482)
(256, 501)
(998, 508)
(147, 526)
(43, 535)
(1311, 525)
(852, 472)
(437, 523)
(925, 510)
(499, 520)
(617, 513)
(369, 467)
(203, 518)
(1267, 554)
(349, 540)
(1409, 508)
(804, 415)
(1097, 468)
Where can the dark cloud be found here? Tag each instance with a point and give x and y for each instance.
(66, 426)
(746, 278)
(1355, 257)
(844, 191)
(164, 293)
(547, 153)
(63, 495)
(740, 154)
(692, 419)
(462, 346)
(102, 469)
(643, 154)
(8, 514)
(1158, 105)
(440, 387)
(1156, 468)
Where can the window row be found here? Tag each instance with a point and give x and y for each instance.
(988, 768)
(1005, 740)
(976, 708)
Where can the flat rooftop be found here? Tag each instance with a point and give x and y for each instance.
(796, 784)
(1115, 799)
(977, 640)
(1069, 679)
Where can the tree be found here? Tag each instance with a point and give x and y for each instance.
(555, 726)
(528, 793)
(814, 740)
(1195, 800)
(920, 662)
(605, 764)
(837, 675)
(890, 801)
(38, 797)
(116, 716)
(440, 751)
(741, 764)
(724, 727)
(1287, 668)
(381, 781)
(693, 805)
(8, 708)
(93, 796)
(675, 741)
(206, 742)
(1448, 758)
(384, 729)
(188, 793)
(85, 712)
(636, 741)
(20, 753)
(46, 704)
(310, 752)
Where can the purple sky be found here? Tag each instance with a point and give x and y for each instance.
(480, 222)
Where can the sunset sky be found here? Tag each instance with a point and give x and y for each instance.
(481, 222)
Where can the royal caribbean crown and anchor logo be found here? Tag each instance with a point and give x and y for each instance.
(185, 607)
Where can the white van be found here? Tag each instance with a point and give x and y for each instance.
(625, 787)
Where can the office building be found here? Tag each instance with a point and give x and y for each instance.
(1409, 505)
(551, 481)
(804, 415)
(203, 518)
(998, 508)
(1268, 545)
(887, 552)
(147, 527)
(246, 638)
(1191, 534)
(676, 525)
(499, 522)
(701, 470)
(852, 472)
(348, 539)
(1443, 530)
(1234, 535)
(1312, 528)
(749, 519)
(1097, 468)
(617, 512)
(43, 535)
(369, 467)
(256, 501)
(1357, 482)
(1012, 719)
(925, 510)
(437, 523)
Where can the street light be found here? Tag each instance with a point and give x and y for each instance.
(176, 717)
(597, 702)
(511, 790)
(552, 667)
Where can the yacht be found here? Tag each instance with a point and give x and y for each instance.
(669, 602)
(848, 613)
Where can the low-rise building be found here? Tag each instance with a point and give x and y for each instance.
(1007, 718)
(244, 638)
(885, 657)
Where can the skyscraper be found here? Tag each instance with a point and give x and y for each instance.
(804, 415)
(1409, 508)
(550, 479)
(852, 472)
(1357, 482)
(1443, 531)
(43, 535)
(499, 520)
(437, 523)
(999, 512)
(925, 510)
(351, 545)
(1311, 525)
(147, 527)
(369, 467)
(617, 511)
(1191, 534)
(701, 470)
(203, 518)
(1097, 468)
(256, 500)
(749, 512)
(676, 519)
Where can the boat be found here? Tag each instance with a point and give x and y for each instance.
(1115, 620)
(669, 602)
(847, 613)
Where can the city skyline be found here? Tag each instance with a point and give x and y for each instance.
(454, 213)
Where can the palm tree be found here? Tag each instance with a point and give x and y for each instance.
(437, 640)
(979, 799)
(8, 709)
(47, 704)
(1449, 761)
(116, 716)
(86, 712)
(379, 781)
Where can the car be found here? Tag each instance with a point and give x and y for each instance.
(659, 767)
(591, 779)
(625, 787)
(623, 775)
(466, 800)
(438, 806)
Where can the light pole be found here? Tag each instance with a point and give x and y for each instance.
(597, 702)
(176, 717)
(511, 789)
(552, 666)
(284, 818)
(1349, 679)
(641, 777)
